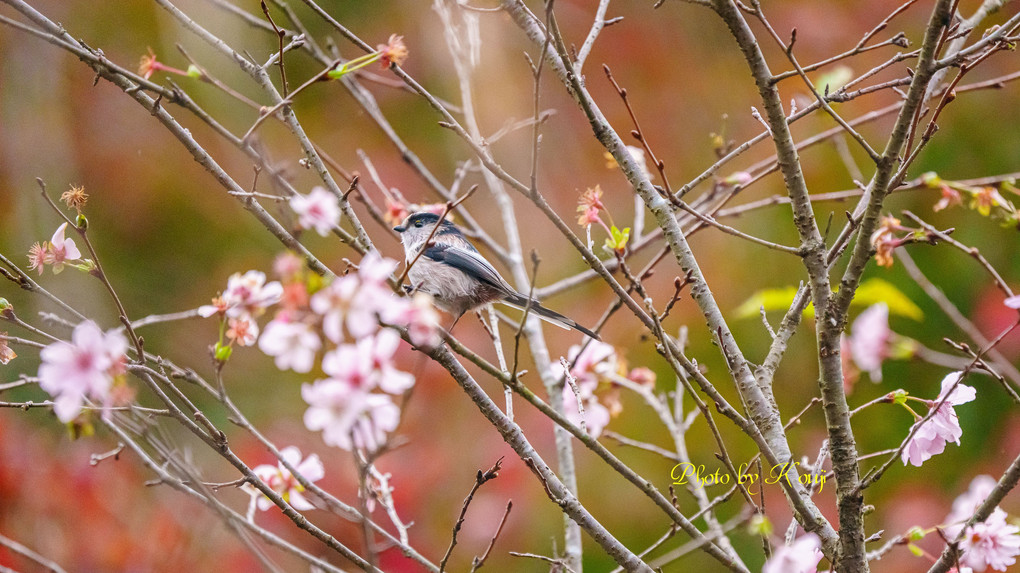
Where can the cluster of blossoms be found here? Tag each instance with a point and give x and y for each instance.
(353, 406)
(246, 298)
(589, 208)
(891, 234)
(594, 369)
(993, 542)
(595, 363)
(56, 252)
(931, 436)
(986, 200)
(280, 480)
(91, 365)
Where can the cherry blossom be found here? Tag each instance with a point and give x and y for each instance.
(967, 503)
(597, 359)
(343, 303)
(931, 438)
(61, 249)
(369, 364)
(992, 543)
(319, 210)
(37, 258)
(884, 240)
(395, 212)
(6, 354)
(280, 480)
(420, 316)
(348, 363)
(287, 265)
(869, 341)
(356, 301)
(57, 252)
(376, 269)
(84, 367)
(589, 206)
(596, 416)
(380, 350)
(349, 417)
(801, 557)
(243, 330)
(393, 52)
(292, 344)
(249, 294)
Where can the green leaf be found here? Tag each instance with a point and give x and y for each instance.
(900, 397)
(832, 81)
(222, 353)
(773, 299)
(877, 290)
(870, 292)
(618, 241)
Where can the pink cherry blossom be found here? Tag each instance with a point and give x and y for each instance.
(280, 480)
(6, 354)
(596, 416)
(61, 250)
(349, 417)
(356, 301)
(930, 439)
(292, 344)
(596, 360)
(993, 543)
(37, 258)
(243, 330)
(375, 269)
(249, 294)
(419, 315)
(368, 364)
(319, 210)
(84, 367)
(381, 348)
(967, 503)
(286, 265)
(348, 363)
(333, 303)
(869, 341)
(801, 557)
(218, 306)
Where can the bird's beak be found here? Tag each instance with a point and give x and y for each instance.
(400, 228)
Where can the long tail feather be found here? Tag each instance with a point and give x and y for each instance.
(550, 316)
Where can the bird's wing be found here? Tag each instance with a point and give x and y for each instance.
(470, 262)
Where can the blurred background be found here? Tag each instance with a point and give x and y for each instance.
(169, 236)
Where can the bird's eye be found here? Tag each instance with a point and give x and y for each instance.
(418, 224)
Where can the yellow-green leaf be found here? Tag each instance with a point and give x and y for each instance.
(870, 292)
(773, 299)
(877, 290)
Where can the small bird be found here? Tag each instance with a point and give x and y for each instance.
(459, 278)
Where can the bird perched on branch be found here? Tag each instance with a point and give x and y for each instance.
(443, 263)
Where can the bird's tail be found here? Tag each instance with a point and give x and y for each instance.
(550, 316)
